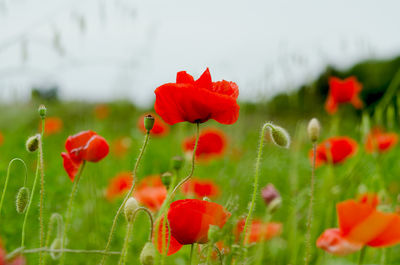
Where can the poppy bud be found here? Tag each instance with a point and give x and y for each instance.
(42, 111)
(313, 130)
(213, 233)
(147, 255)
(206, 199)
(57, 243)
(269, 194)
(166, 179)
(131, 206)
(177, 162)
(279, 136)
(148, 122)
(32, 144)
(22, 199)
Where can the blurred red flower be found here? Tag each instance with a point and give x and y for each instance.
(101, 111)
(160, 128)
(212, 143)
(258, 230)
(19, 260)
(118, 185)
(197, 101)
(334, 150)
(190, 220)
(1, 139)
(343, 91)
(200, 188)
(120, 146)
(151, 192)
(360, 224)
(84, 146)
(380, 141)
(52, 125)
(174, 245)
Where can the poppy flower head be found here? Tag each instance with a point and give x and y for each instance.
(200, 188)
(258, 230)
(333, 242)
(197, 100)
(190, 219)
(151, 192)
(118, 185)
(160, 128)
(212, 143)
(174, 245)
(343, 91)
(52, 125)
(334, 150)
(380, 141)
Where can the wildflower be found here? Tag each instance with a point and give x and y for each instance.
(343, 91)
(120, 146)
(159, 129)
(197, 101)
(379, 140)
(174, 245)
(269, 194)
(101, 111)
(258, 230)
(200, 188)
(212, 144)
(360, 224)
(151, 192)
(19, 260)
(84, 146)
(52, 125)
(334, 150)
(118, 185)
(190, 219)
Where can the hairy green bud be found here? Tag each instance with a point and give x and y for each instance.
(131, 206)
(313, 130)
(32, 144)
(42, 111)
(177, 162)
(280, 136)
(148, 254)
(22, 199)
(56, 245)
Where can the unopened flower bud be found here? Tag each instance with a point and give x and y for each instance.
(148, 254)
(32, 144)
(313, 129)
(269, 193)
(131, 206)
(213, 232)
(148, 122)
(280, 136)
(22, 199)
(42, 111)
(56, 245)
(205, 198)
(177, 162)
(166, 179)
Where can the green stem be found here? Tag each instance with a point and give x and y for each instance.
(362, 255)
(209, 251)
(256, 177)
(55, 217)
(191, 254)
(8, 176)
(69, 210)
(129, 194)
(122, 259)
(65, 250)
(310, 209)
(260, 251)
(41, 202)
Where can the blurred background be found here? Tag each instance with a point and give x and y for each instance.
(97, 50)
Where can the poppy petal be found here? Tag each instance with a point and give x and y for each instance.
(174, 245)
(71, 166)
(332, 241)
(95, 149)
(390, 236)
(204, 80)
(183, 77)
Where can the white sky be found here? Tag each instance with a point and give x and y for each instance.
(125, 49)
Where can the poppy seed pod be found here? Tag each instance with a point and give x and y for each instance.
(131, 206)
(42, 111)
(148, 122)
(280, 136)
(22, 199)
(177, 162)
(313, 130)
(56, 245)
(166, 179)
(148, 254)
(32, 144)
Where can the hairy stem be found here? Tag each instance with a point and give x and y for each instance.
(41, 202)
(65, 250)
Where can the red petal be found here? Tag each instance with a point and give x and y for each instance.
(160, 128)
(71, 166)
(390, 236)
(174, 245)
(333, 242)
(183, 77)
(212, 143)
(118, 185)
(204, 80)
(75, 143)
(95, 149)
(351, 213)
(226, 88)
(331, 105)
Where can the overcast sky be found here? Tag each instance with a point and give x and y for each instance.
(101, 50)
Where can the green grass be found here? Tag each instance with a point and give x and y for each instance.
(289, 170)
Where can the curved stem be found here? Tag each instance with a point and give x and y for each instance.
(110, 236)
(8, 176)
(41, 202)
(55, 217)
(69, 210)
(310, 208)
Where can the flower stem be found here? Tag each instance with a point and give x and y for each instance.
(362, 255)
(110, 236)
(41, 202)
(310, 208)
(8, 176)
(256, 177)
(55, 217)
(191, 253)
(69, 211)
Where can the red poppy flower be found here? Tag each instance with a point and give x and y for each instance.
(378, 140)
(160, 128)
(151, 192)
(84, 146)
(212, 143)
(334, 150)
(120, 146)
(343, 91)
(174, 245)
(118, 185)
(200, 188)
(19, 260)
(101, 111)
(52, 125)
(190, 219)
(197, 101)
(258, 230)
(360, 224)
